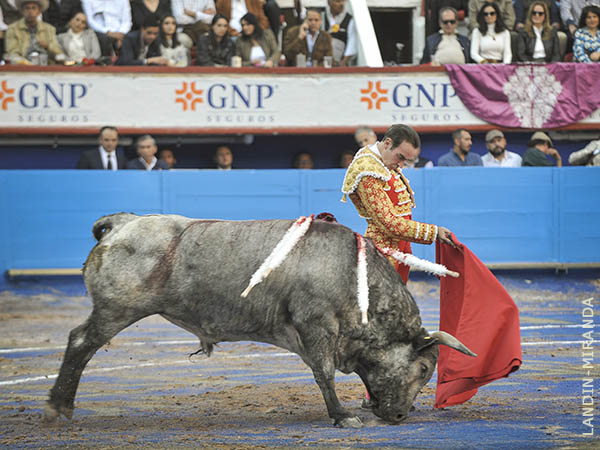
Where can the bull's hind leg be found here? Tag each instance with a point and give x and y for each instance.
(84, 342)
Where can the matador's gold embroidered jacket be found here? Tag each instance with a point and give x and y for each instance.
(384, 198)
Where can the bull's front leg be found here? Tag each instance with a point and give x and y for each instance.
(324, 373)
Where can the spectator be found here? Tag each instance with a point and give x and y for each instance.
(521, 10)
(571, 10)
(419, 162)
(79, 42)
(342, 29)
(365, 136)
(446, 46)
(505, 11)
(497, 155)
(68, 9)
(308, 39)
(223, 158)
(540, 145)
(490, 42)
(434, 8)
(538, 41)
(256, 47)
(586, 47)
(459, 154)
(146, 149)
(106, 156)
(194, 15)
(112, 18)
(303, 160)
(30, 36)
(346, 158)
(170, 45)
(168, 157)
(587, 156)
(216, 48)
(235, 10)
(142, 47)
(140, 9)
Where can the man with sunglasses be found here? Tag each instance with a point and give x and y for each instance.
(446, 46)
(507, 12)
(382, 195)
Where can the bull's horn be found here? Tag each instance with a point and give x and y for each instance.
(444, 338)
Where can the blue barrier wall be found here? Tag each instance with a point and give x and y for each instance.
(503, 215)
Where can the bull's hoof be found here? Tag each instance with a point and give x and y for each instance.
(51, 413)
(349, 422)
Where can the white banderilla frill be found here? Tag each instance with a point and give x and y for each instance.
(281, 250)
(420, 264)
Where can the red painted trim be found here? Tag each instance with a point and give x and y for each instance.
(268, 131)
(217, 70)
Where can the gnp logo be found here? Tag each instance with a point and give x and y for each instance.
(188, 99)
(426, 101)
(6, 95)
(228, 102)
(373, 96)
(44, 102)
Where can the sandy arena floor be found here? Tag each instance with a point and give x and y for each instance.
(143, 390)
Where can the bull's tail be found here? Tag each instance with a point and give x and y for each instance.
(106, 224)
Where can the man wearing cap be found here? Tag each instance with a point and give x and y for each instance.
(540, 145)
(29, 36)
(460, 154)
(497, 155)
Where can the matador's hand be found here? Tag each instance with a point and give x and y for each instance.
(445, 237)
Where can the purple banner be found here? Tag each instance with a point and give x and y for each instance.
(528, 95)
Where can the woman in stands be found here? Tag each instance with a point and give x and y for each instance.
(257, 47)
(216, 48)
(490, 42)
(79, 42)
(538, 41)
(140, 9)
(586, 47)
(170, 45)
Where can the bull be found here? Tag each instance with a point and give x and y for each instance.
(192, 272)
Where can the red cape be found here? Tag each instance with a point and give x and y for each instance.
(476, 309)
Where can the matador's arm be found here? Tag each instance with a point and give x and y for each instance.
(380, 208)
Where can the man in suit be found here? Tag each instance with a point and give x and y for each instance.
(309, 40)
(142, 47)
(146, 149)
(105, 157)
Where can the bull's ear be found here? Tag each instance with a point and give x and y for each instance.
(447, 339)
